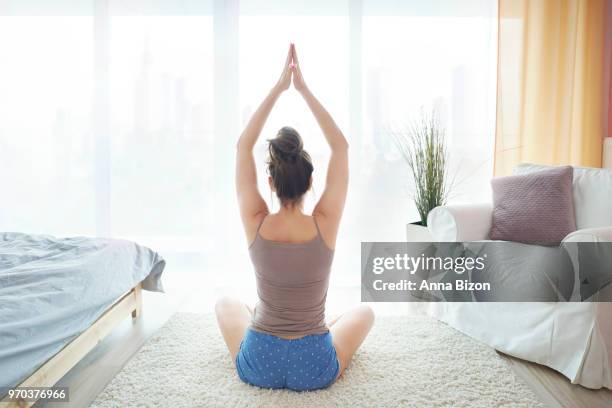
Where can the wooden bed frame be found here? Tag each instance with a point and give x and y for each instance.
(58, 365)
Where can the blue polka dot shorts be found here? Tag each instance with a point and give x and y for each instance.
(307, 363)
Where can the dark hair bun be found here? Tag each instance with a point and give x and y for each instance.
(287, 146)
(289, 165)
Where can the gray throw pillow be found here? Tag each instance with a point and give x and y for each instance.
(533, 208)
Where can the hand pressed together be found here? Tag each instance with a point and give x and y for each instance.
(291, 73)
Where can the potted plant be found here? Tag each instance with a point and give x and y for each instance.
(424, 149)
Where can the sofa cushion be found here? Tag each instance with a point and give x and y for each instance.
(592, 192)
(533, 208)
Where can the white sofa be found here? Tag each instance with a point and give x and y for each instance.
(572, 338)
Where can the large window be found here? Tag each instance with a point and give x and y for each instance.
(120, 118)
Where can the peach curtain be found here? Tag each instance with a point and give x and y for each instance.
(550, 83)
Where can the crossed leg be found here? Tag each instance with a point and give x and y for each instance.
(348, 331)
(233, 318)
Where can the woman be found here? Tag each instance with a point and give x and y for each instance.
(285, 342)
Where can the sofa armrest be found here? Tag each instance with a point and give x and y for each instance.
(598, 252)
(600, 234)
(454, 223)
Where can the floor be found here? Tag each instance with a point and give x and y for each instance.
(92, 374)
(554, 389)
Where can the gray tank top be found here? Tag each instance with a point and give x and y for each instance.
(292, 281)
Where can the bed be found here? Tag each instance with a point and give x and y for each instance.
(60, 296)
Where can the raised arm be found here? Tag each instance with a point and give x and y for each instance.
(252, 205)
(331, 203)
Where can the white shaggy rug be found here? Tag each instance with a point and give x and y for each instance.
(405, 362)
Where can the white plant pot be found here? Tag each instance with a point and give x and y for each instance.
(417, 233)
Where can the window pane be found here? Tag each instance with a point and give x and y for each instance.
(161, 121)
(425, 62)
(46, 139)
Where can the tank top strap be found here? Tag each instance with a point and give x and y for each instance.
(316, 225)
(260, 224)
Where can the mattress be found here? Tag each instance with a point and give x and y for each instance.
(53, 289)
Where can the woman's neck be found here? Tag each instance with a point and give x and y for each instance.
(291, 211)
